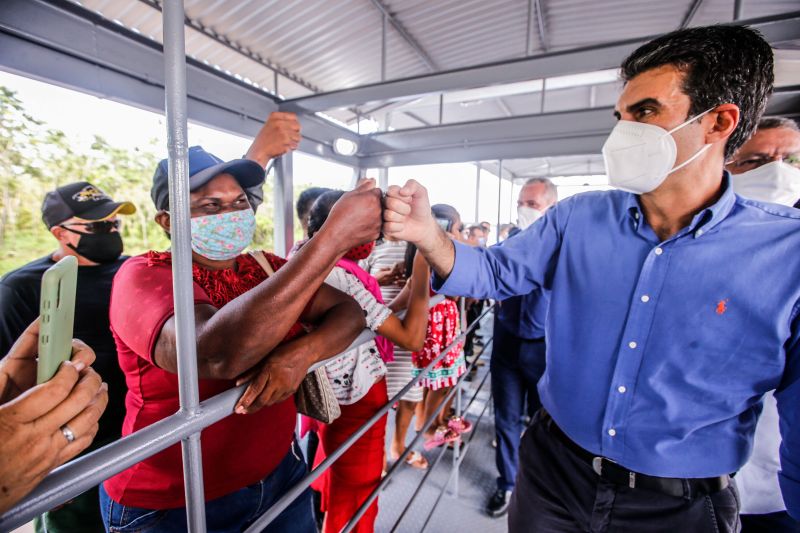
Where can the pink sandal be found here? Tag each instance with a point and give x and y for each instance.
(442, 436)
(459, 424)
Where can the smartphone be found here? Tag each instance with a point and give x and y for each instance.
(56, 316)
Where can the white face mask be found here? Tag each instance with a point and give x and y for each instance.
(775, 182)
(527, 216)
(639, 156)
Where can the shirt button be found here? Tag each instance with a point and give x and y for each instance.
(698, 233)
(612, 432)
(632, 345)
(622, 389)
(659, 251)
(645, 298)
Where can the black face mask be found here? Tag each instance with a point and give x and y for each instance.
(98, 247)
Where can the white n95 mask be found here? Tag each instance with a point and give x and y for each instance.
(775, 182)
(639, 157)
(527, 216)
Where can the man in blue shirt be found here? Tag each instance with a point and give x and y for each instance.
(518, 354)
(674, 304)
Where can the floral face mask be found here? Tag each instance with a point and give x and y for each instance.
(224, 235)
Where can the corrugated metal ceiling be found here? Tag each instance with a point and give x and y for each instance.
(318, 45)
(330, 45)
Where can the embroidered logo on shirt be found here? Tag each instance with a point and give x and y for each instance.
(722, 306)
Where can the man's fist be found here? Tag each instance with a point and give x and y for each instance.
(407, 215)
(356, 218)
(279, 134)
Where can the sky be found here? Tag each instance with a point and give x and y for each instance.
(81, 116)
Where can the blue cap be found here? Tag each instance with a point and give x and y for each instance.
(203, 167)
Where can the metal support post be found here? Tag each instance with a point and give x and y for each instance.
(544, 92)
(462, 309)
(737, 9)
(284, 203)
(441, 109)
(385, 23)
(499, 196)
(177, 147)
(383, 178)
(477, 191)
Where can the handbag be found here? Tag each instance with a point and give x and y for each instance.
(315, 397)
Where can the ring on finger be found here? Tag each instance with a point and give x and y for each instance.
(68, 434)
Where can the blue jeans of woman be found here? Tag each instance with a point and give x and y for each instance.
(230, 513)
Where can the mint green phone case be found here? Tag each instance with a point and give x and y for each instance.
(57, 316)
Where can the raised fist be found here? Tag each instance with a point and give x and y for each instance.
(356, 218)
(279, 134)
(407, 215)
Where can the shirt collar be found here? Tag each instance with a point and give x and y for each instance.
(702, 222)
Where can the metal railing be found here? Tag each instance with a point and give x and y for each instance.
(278, 507)
(83, 473)
(87, 471)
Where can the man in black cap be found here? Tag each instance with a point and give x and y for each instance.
(84, 220)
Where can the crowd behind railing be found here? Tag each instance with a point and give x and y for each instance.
(638, 335)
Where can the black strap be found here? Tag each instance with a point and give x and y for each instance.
(619, 475)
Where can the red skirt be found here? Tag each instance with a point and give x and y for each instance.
(350, 480)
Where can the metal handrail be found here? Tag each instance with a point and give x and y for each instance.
(81, 474)
(376, 491)
(278, 507)
(444, 448)
(458, 464)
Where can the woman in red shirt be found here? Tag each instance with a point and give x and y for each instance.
(243, 324)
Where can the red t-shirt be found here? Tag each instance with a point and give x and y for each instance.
(237, 451)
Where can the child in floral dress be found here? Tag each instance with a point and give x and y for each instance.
(444, 327)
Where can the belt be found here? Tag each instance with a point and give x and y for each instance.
(619, 475)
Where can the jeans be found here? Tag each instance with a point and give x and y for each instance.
(517, 365)
(558, 492)
(228, 514)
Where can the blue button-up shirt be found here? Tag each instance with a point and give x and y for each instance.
(659, 353)
(525, 316)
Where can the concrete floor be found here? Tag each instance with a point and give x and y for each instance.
(463, 512)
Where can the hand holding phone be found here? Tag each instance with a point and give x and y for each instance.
(57, 316)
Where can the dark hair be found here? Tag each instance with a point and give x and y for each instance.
(446, 212)
(307, 199)
(721, 65)
(318, 213)
(778, 122)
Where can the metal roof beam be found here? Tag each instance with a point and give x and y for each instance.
(540, 22)
(64, 44)
(236, 47)
(784, 27)
(578, 132)
(690, 14)
(407, 37)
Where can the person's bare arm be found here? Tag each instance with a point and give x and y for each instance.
(409, 333)
(340, 321)
(400, 301)
(279, 134)
(233, 339)
(408, 217)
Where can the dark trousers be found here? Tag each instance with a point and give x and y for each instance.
(517, 365)
(557, 492)
(473, 312)
(779, 522)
